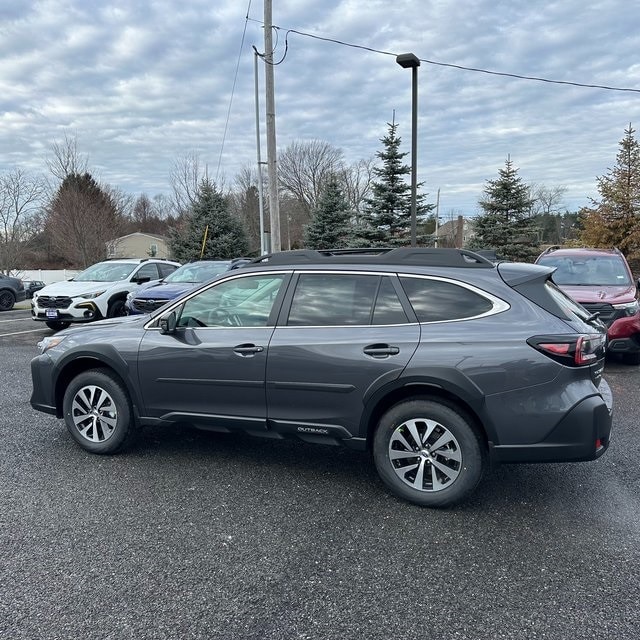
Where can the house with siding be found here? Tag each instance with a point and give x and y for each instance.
(138, 245)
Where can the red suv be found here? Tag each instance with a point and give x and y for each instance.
(602, 282)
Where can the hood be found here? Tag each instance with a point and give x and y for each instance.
(165, 290)
(108, 322)
(72, 289)
(596, 293)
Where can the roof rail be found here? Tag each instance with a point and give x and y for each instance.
(426, 256)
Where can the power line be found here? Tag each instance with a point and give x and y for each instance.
(233, 89)
(448, 64)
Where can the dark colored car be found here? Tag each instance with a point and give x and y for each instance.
(32, 286)
(436, 360)
(602, 282)
(148, 298)
(11, 291)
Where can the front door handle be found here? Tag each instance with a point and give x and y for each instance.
(245, 350)
(381, 350)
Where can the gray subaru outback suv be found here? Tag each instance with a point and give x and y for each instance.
(436, 360)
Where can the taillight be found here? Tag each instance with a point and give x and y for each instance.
(574, 350)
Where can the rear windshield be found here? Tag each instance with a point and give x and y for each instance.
(581, 270)
(567, 304)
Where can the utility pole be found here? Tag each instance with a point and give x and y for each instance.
(263, 244)
(274, 204)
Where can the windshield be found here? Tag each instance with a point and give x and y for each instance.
(106, 272)
(581, 270)
(198, 272)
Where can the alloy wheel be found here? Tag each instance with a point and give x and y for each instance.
(94, 413)
(425, 455)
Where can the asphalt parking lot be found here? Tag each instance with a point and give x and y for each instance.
(197, 535)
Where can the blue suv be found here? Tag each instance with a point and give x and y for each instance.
(148, 298)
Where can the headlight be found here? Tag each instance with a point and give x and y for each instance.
(91, 296)
(49, 342)
(630, 308)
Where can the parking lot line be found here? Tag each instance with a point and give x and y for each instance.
(15, 333)
(13, 320)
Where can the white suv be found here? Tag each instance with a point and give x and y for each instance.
(97, 292)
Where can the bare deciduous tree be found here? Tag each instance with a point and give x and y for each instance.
(246, 206)
(355, 182)
(20, 201)
(66, 159)
(185, 178)
(305, 167)
(546, 200)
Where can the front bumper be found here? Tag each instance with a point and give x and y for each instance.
(43, 393)
(77, 311)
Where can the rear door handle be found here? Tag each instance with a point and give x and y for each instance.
(381, 350)
(247, 349)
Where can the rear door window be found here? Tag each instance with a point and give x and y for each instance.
(345, 299)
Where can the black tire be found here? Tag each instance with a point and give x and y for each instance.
(416, 472)
(7, 300)
(98, 412)
(116, 309)
(631, 358)
(57, 325)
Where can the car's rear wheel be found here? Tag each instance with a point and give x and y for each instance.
(57, 325)
(428, 452)
(98, 413)
(7, 300)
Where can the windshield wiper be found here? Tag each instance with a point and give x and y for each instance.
(593, 316)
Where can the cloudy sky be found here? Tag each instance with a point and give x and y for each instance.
(142, 83)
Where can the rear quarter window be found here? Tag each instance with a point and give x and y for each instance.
(436, 300)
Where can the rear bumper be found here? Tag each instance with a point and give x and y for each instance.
(582, 435)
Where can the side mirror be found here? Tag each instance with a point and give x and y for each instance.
(168, 324)
(142, 280)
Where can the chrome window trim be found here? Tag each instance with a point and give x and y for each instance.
(498, 304)
(216, 282)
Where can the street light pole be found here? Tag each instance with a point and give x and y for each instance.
(406, 61)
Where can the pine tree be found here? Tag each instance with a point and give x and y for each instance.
(330, 226)
(386, 219)
(225, 237)
(505, 224)
(614, 221)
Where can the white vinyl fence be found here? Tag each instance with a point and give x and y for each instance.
(48, 276)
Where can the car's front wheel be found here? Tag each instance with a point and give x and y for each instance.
(428, 452)
(98, 413)
(116, 309)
